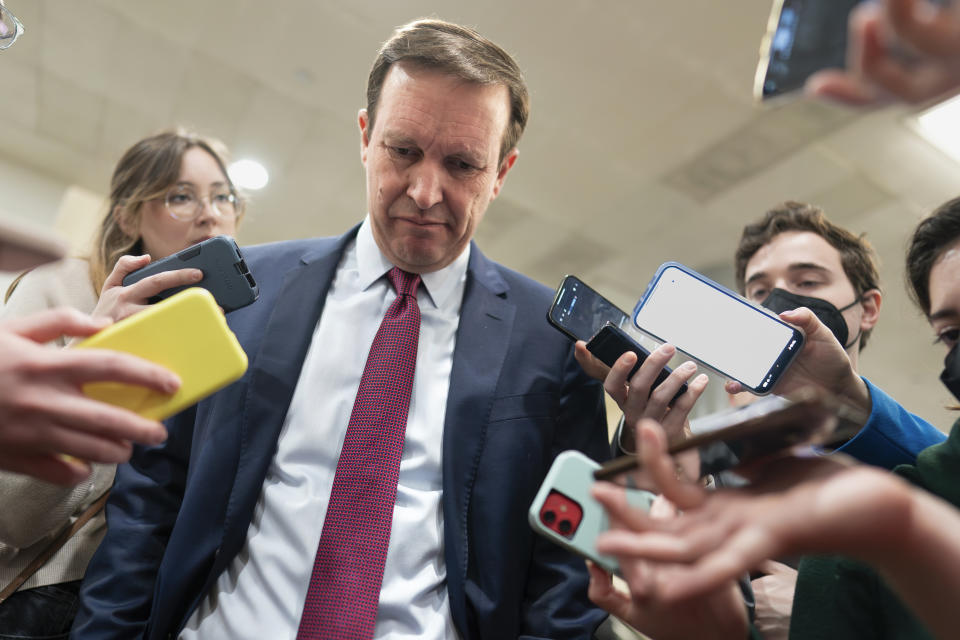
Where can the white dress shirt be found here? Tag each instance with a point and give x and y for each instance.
(261, 593)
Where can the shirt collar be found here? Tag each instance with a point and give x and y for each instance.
(372, 265)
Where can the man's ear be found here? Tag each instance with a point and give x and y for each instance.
(871, 301)
(505, 167)
(364, 121)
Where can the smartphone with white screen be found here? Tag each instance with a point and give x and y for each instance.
(803, 37)
(714, 325)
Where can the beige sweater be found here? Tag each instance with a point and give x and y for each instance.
(32, 512)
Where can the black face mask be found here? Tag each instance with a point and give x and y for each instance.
(950, 376)
(780, 300)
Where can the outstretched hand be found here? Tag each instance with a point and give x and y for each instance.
(822, 363)
(903, 49)
(792, 506)
(638, 398)
(44, 415)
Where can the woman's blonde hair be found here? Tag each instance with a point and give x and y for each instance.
(145, 172)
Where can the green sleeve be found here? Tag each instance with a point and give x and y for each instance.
(835, 598)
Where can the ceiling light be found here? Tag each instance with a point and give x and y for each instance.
(940, 126)
(248, 174)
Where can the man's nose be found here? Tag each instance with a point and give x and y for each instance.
(426, 187)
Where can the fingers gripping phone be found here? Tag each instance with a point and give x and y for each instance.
(583, 314)
(611, 342)
(565, 512)
(768, 426)
(187, 334)
(718, 327)
(803, 37)
(225, 273)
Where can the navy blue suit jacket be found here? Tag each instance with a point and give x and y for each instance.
(179, 513)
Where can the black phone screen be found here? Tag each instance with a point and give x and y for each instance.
(581, 312)
(810, 35)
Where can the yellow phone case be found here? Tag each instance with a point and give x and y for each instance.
(185, 333)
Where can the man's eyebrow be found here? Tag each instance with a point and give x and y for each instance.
(940, 315)
(394, 138)
(804, 266)
(796, 266)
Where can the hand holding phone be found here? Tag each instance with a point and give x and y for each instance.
(186, 334)
(718, 327)
(580, 313)
(766, 427)
(805, 37)
(225, 273)
(565, 512)
(611, 342)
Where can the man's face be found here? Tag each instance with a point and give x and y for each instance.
(945, 296)
(431, 162)
(805, 264)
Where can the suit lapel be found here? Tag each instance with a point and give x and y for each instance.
(275, 371)
(483, 338)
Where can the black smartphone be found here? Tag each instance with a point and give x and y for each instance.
(611, 342)
(718, 327)
(580, 312)
(765, 427)
(225, 274)
(803, 37)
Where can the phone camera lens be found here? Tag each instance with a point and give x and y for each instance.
(549, 517)
(564, 527)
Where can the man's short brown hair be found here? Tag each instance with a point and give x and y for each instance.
(857, 257)
(449, 48)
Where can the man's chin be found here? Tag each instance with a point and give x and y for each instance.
(419, 259)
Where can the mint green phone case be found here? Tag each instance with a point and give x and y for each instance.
(572, 475)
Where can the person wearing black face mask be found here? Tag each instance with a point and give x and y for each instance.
(830, 591)
(781, 300)
(795, 257)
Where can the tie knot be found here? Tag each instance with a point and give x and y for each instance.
(404, 282)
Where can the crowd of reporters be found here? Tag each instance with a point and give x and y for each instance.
(900, 569)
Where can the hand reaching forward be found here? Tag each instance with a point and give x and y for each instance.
(43, 413)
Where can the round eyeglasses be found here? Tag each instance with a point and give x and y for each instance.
(10, 28)
(183, 203)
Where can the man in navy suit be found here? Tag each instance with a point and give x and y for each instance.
(214, 533)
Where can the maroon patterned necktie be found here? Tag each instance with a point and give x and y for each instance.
(345, 584)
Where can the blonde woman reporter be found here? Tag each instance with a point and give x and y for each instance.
(168, 191)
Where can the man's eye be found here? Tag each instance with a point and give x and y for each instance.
(948, 336)
(401, 151)
(461, 165)
(757, 294)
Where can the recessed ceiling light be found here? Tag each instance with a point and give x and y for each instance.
(940, 126)
(248, 174)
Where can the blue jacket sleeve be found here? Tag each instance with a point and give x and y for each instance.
(892, 434)
(117, 591)
(555, 602)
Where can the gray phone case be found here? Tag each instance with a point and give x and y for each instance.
(572, 475)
